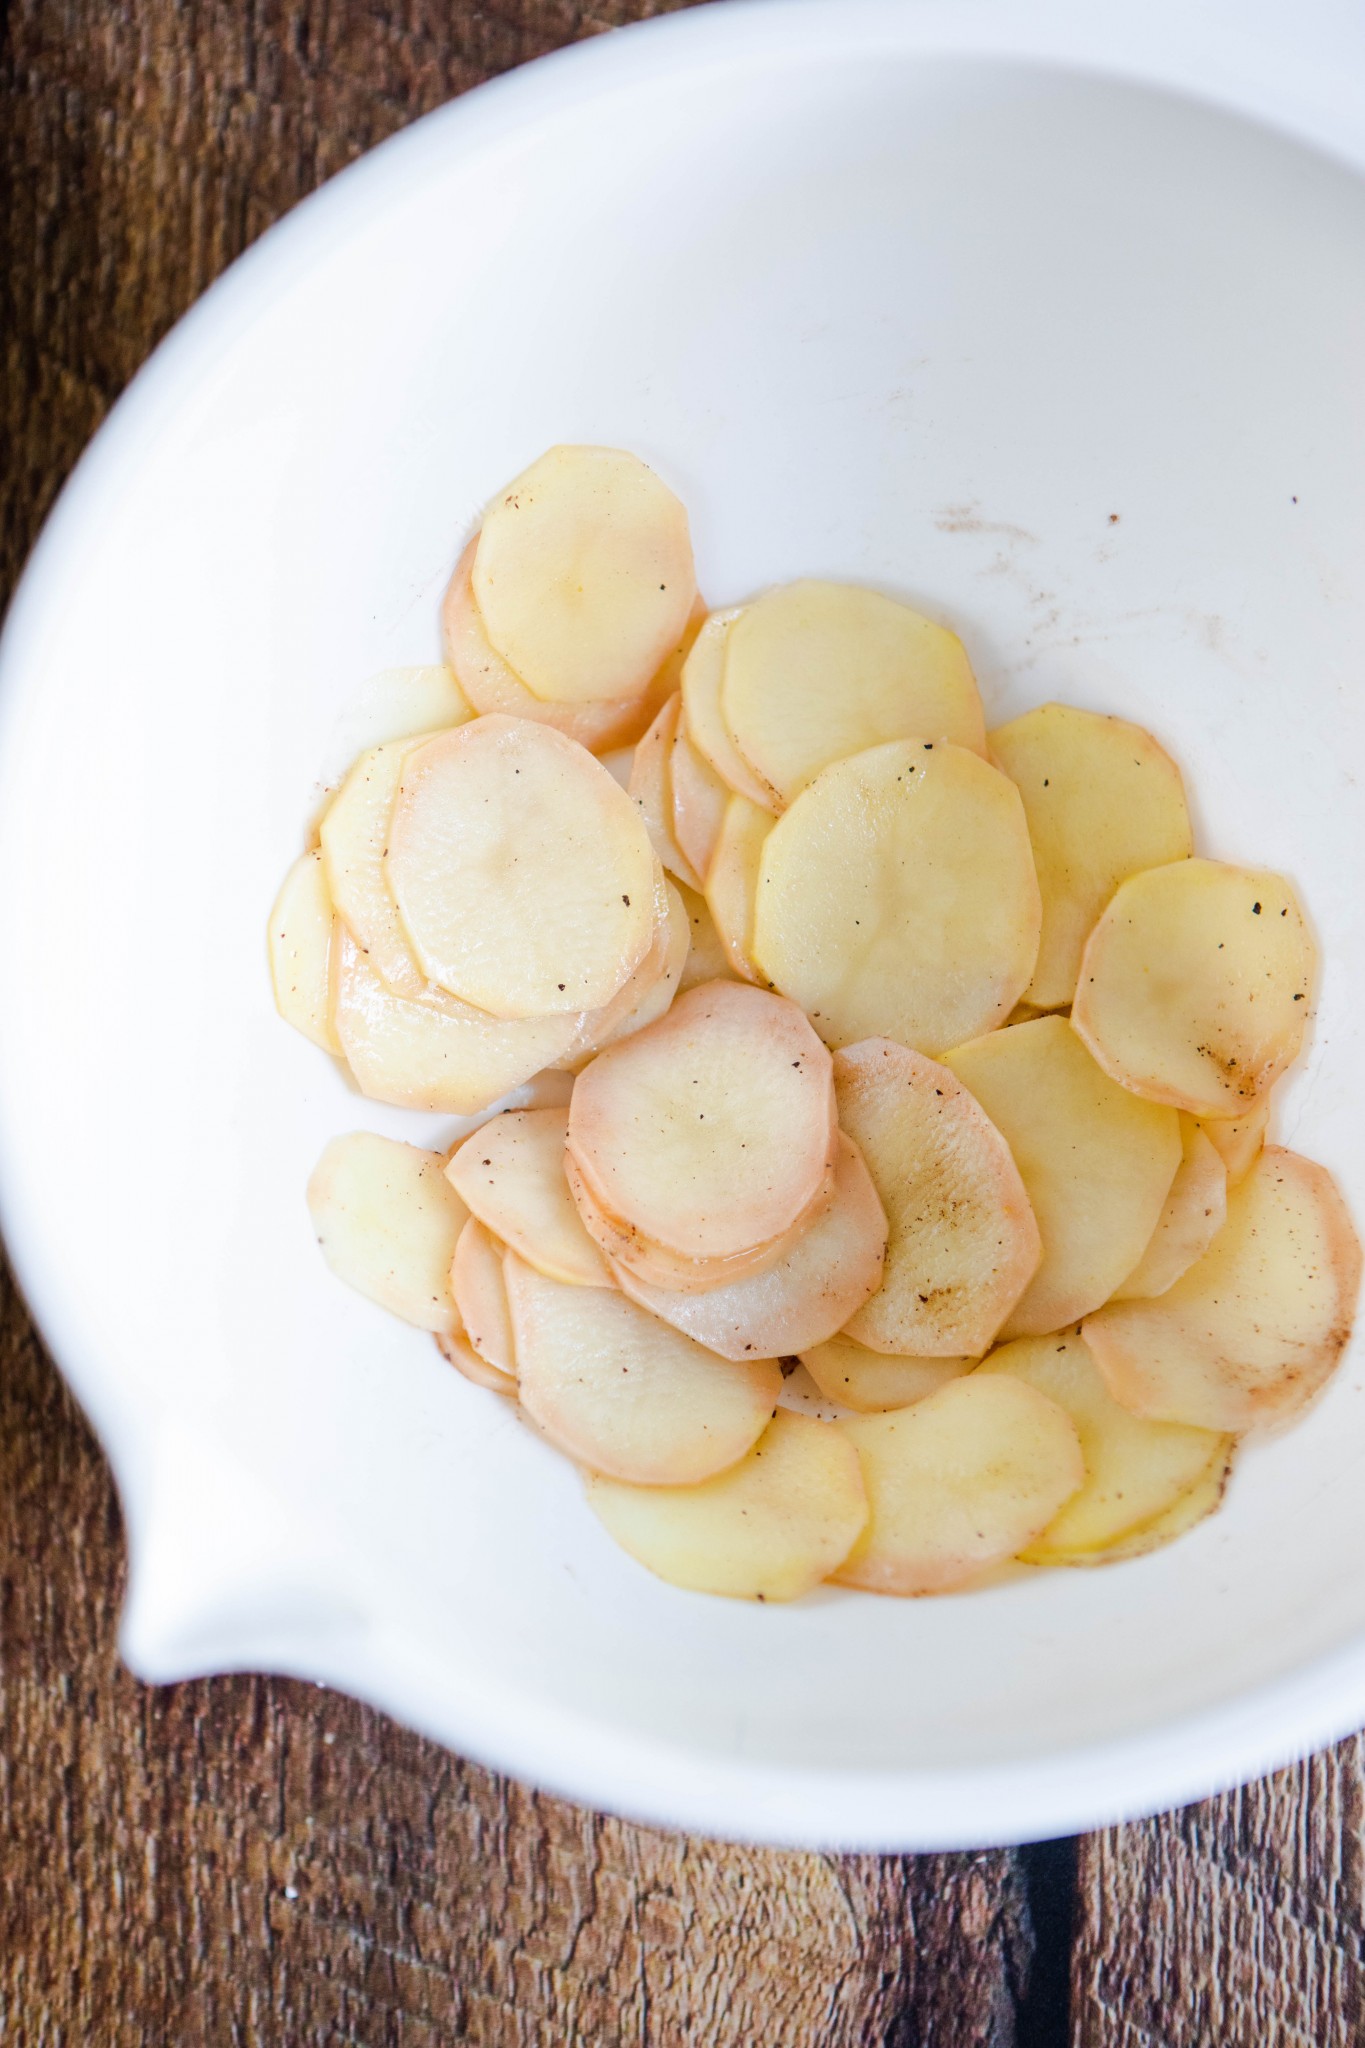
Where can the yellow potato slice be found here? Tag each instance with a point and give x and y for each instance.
(459, 1352)
(583, 574)
(711, 1131)
(1097, 1163)
(1135, 1470)
(1251, 1331)
(699, 802)
(962, 1481)
(651, 791)
(1103, 802)
(387, 1220)
(510, 1174)
(1238, 1139)
(1196, 983)
(805, 1297)
(897, 898)
(481, 1298)
(355, 837)
(1193, 1216)
(652, 987)
(1194, 1507)
(815, 672)
(438, 1054)
(402, 704)
(301, 951)
(707, 959)
(523, 875)
(964, 1243)
(769, 1528)
(870, 1381)
(732, 881)
(702, 720)
(622, 1393)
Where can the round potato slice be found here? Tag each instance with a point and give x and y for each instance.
(897, 898)
(1238, 1139)
(523, 875)
(732, 881)
(870, 1381)
(355, 836)
(1096, 1162)
(805, 1297)
(481, 1298)
(699, 801)
(510, 1174)
(706, 959)
(583, 574)
(652, 792)
(1193, 1216)
(1194, 1507)
(459, 1352)
(622, 1393)
(1134, 1470)
(710, 1132)
(815, 672)
(705, 727)
(962, 1481)
(1103, 802)
(301, 952)
(964, 1243)
(387, 1220)
(1195, 985)
(1251, 1331)
(403, 704)
(769, 1528)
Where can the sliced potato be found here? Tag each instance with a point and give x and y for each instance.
(1251, 1331)
(387, 1220)
(1097, 1163)
(621, 1392)
(649, 991)
(403, 703)
(962, 1481)
(815, 672)
(699, 801)
(897, 898)
(459, 1352)
(1193, 1216)
(707, 959)
(510, 1174)
(1135, 1470)
(870, 1381)
(355, 836)
(1194, 1507)
(769, 1528)
(705, 727)
(481, 1298)
(651, 790)
(1238, 1139)
(732, 881)
(301, 951)
(1103, 802)
(583, 574)
(805, 1297)
(522, 873)
(1196, 985)
(963, 1240)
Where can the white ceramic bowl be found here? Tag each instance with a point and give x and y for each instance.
(1051, 319)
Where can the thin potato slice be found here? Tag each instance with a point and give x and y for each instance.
(651, 791)
(1203, 1499)
(1097, 1163)
(710, 1132)
(481, 1298)
(732, 881)
(964, 1243)
(387, 1220)
(301, 951)
(702, 720)
(1195, 985)
(622, 1393)
(1252, 1331)
(1238, 1139)
(1134, 1470)
(707, 959)
(870, 1381)
(815, 672)
(1193, 1216)
(1103, 802)
(523, 875)
(510, 1174)
(652, 987)
(897, 898)
(355, 837)
(403, 703)
(806, 1297)
(459, 1352)
(583, 574)
(960, 1482)
(769, 1528)
(699, 802)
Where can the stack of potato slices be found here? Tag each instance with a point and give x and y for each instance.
(870, 1181)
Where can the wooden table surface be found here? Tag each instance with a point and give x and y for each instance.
(249, 1861)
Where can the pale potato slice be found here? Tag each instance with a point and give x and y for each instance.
(962, 1481)
(355, 837)
(963, 1240)
(1238, 1139)
(709, 1132)
(622, 1393)
(651, 790)
(459, 1352)
(1251, 1331)
(438, 1054)
(1134, 1469)
(401, 704)
(732, 881)
(769, 1528)
(699, 802)
(476, 1283)
(510, 1174)
(1196, 985)
(583, 574)
(897, 898)
(523, 875)
(707, 959)
(1193, 1216)
(1096, 1162)
(1194, 1507)
(815, 672)
(805, 1297)
(301, 951)
(702, 720)
(870, 1381)
(387, 1220)
(652, 987)
(1103, 802)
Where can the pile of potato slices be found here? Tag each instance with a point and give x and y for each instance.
(864, 1173)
